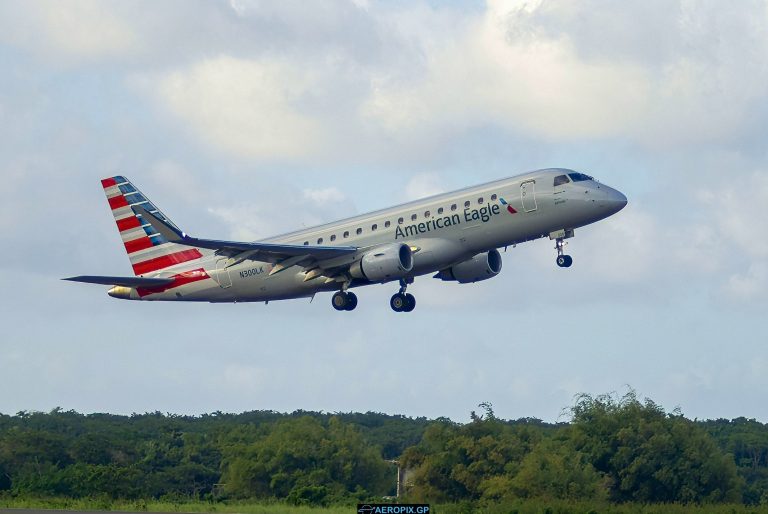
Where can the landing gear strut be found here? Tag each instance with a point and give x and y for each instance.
(344, 301)
(402, 301)
(564, 261)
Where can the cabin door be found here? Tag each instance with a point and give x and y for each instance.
(528, 195)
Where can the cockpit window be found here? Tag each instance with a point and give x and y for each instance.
(579, 177)
(561, 179)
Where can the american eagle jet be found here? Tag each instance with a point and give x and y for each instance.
(454, 235)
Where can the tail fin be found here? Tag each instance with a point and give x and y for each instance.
(147, 249)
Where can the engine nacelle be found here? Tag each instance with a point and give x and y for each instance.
(480, 267)
(387, 262)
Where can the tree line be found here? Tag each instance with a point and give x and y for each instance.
(612, 449)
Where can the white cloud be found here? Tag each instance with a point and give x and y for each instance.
(325, 196)
(176, 179)
(737, 208)
(717, 242)
(16, 175)
(750, 284)
(244, 377)
(539, 68)
(305, 208)
(701, 250)
(246, 222)
(422, 185)
(480, 75)
(731, 212)
(72, 29)
(624, 248)
(240, 7)
(358, 77)
(250, 108)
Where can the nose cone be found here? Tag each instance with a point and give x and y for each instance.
(619, 200)
(614, 200)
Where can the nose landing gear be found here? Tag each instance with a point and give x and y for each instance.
(402, 301)
(564, 261)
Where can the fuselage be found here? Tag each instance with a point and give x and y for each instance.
(441, 231)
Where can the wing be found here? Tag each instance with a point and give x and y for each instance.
(283, 255)
(122, 281)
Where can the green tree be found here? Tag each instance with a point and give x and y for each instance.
(555, 470)
(468, 462)
(649, 455)
(301, 458)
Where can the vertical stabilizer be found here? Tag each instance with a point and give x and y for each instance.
(147, 249)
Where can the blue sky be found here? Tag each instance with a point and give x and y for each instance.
(244, 119)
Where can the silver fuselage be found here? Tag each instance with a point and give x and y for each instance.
(441, 230)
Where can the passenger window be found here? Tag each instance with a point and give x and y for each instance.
(374, 226)
(466, 204)
(426, 214)
(480, 200)
(333, 237)
(346, 233)
(453, 207)
(399, 221)
(387, 224)
(413, 217)
(306, 243)
(319, 240)
(440, 210)
(359, 231)
(493, 197)
(560, 180)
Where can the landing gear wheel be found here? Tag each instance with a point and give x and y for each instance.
(564, 261)
(351, 301)
(398, 302)
(339, 301)
(402, 302)
(410, 302)
(344, 301)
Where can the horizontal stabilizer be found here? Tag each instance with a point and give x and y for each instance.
(122, 281)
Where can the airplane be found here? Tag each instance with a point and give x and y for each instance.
(454, 235)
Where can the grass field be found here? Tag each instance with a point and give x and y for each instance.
(518, 507)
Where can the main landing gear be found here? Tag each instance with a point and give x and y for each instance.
(344, 301)
(402, 301)
(564, 261)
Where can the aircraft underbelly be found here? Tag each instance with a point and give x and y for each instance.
(435, 254)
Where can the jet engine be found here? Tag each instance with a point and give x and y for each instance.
(387, 262)
(480, 267)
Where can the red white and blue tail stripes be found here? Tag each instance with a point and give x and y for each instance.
(148, 250)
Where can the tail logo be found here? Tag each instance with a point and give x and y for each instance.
(148, 250)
